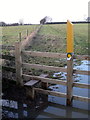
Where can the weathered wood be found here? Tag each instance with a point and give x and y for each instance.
(11, 69)
(48, 92)
(7, 47)
(44, 54)
(44, 67)
(27, 32)
(80, 98)
(82, 57)
(69, 81)
(18, 63)
(31, 83)
(48, 80)
(82, 72)
(44, 85)
(20, 37)
(81, 85)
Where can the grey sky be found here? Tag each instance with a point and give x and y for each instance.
(31, 11)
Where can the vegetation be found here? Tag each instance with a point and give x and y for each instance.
(10, 34)
(52, 38)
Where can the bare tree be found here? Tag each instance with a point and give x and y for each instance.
(45, 20)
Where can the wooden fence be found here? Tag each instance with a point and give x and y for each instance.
(20, 77)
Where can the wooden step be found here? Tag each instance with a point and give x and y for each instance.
(31, 83)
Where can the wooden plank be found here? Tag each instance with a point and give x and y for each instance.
(69, 81)
(48, 92)
(81, 85)
(48, 80)
(82, 57)
(11, 69)
(31, 83)
(80, 98)
(18, 63)
(7, 47)
(82, 72)
(44, 54)
(44, 67)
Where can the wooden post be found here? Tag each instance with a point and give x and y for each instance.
(69, 81)
(18, 63)
(20, 38)
(70, 37)
(27, 32)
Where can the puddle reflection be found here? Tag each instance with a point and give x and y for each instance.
(14, 109)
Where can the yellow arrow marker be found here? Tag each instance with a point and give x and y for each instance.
(70, 37)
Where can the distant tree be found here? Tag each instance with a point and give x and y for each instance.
(45, 20)
(2, 24)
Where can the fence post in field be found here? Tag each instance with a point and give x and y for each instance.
(20, 36)
(27, 32)
(69, 62)
(18, 63)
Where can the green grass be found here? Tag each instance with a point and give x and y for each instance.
(10, 34)
(52, 38)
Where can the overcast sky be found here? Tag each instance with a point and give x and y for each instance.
(31, 11)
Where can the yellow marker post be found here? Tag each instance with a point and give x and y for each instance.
(70, 37)
(70, 51)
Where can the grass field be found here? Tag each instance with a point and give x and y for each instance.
(50, 38)
(10, 34)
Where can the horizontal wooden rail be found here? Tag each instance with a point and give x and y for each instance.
(59, 94)
(48, 92)
(80, 98)
(52, 55)
(7, 57)
(44, 54)
(81, 85)
(11, 69)
(7, 47)
(82, 57)
(44, 67)
(48, 80)
(82, 72)
(55, 81)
